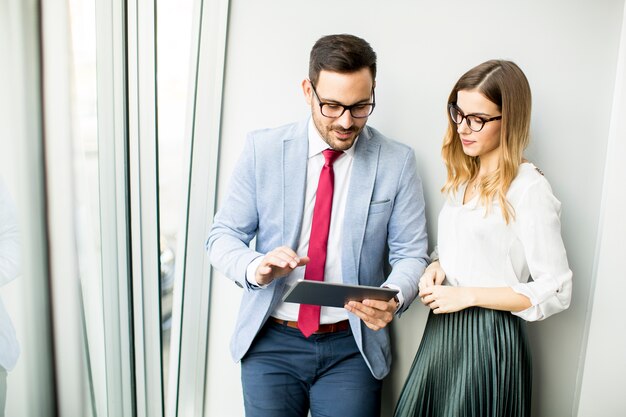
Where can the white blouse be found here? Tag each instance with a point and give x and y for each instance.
(10, 254)
(478, 249)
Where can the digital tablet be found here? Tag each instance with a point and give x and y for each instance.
(332, 294)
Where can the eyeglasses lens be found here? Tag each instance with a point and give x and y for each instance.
(473, 122)
(336, 110)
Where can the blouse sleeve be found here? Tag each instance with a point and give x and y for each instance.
(9, 238)
(538, 226)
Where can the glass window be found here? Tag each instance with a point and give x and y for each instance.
(87, 204)
(173, 47)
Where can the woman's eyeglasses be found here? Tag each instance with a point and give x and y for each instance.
(474, 122)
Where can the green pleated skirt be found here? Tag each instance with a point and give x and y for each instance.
(472, 363)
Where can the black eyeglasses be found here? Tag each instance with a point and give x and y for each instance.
(474, 122)
(335, 110)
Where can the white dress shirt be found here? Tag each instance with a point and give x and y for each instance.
(9, 270)
(478, 249)
(342, 168)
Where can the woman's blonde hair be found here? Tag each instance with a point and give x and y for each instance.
(504, 84)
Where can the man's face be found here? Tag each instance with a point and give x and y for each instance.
(339, 89)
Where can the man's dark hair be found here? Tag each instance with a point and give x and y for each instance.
(341, 53)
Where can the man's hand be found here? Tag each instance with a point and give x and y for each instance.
(375, 314)
(278, 263)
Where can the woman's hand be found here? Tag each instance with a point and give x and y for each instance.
(433, 275)
(446, 299)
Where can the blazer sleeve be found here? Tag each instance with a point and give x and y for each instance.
(236, 222)
(407, 234)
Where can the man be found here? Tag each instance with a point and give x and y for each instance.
(294, 358)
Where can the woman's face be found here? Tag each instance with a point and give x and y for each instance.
(485, 143)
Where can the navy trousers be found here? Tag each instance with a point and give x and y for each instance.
(285, 374)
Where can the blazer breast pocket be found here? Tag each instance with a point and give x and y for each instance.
(380, 206)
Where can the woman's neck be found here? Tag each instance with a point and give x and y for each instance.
(486, 166)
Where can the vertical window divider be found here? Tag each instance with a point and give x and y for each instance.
(115, 230)
(144, 225)
(189, 351)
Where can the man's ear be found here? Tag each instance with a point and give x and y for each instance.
(307, 90)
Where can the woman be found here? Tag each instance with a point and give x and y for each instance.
(499, 226)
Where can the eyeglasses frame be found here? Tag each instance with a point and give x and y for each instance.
(349, 108)
(465, 116)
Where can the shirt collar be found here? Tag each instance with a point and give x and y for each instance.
(317, 144)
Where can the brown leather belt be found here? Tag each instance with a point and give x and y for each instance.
(324, 328)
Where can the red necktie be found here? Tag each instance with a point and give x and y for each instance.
(309, 315)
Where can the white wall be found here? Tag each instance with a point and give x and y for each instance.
(604, 378)
(568, 49)
(19, 134)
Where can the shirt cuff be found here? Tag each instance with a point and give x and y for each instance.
(399, 295)
(251, 273)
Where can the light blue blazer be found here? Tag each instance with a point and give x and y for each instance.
(384, 227)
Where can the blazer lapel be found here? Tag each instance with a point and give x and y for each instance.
(364, 169)
(294, 158)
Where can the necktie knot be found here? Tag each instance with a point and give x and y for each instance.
(331, 156)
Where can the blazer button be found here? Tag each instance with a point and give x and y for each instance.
(239, 284)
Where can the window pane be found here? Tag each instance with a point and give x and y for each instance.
(173, 47)
(87, 204)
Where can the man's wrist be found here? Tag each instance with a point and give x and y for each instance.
(251, 273)
(398, 298)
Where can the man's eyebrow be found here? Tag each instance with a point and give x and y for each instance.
(331, 101)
